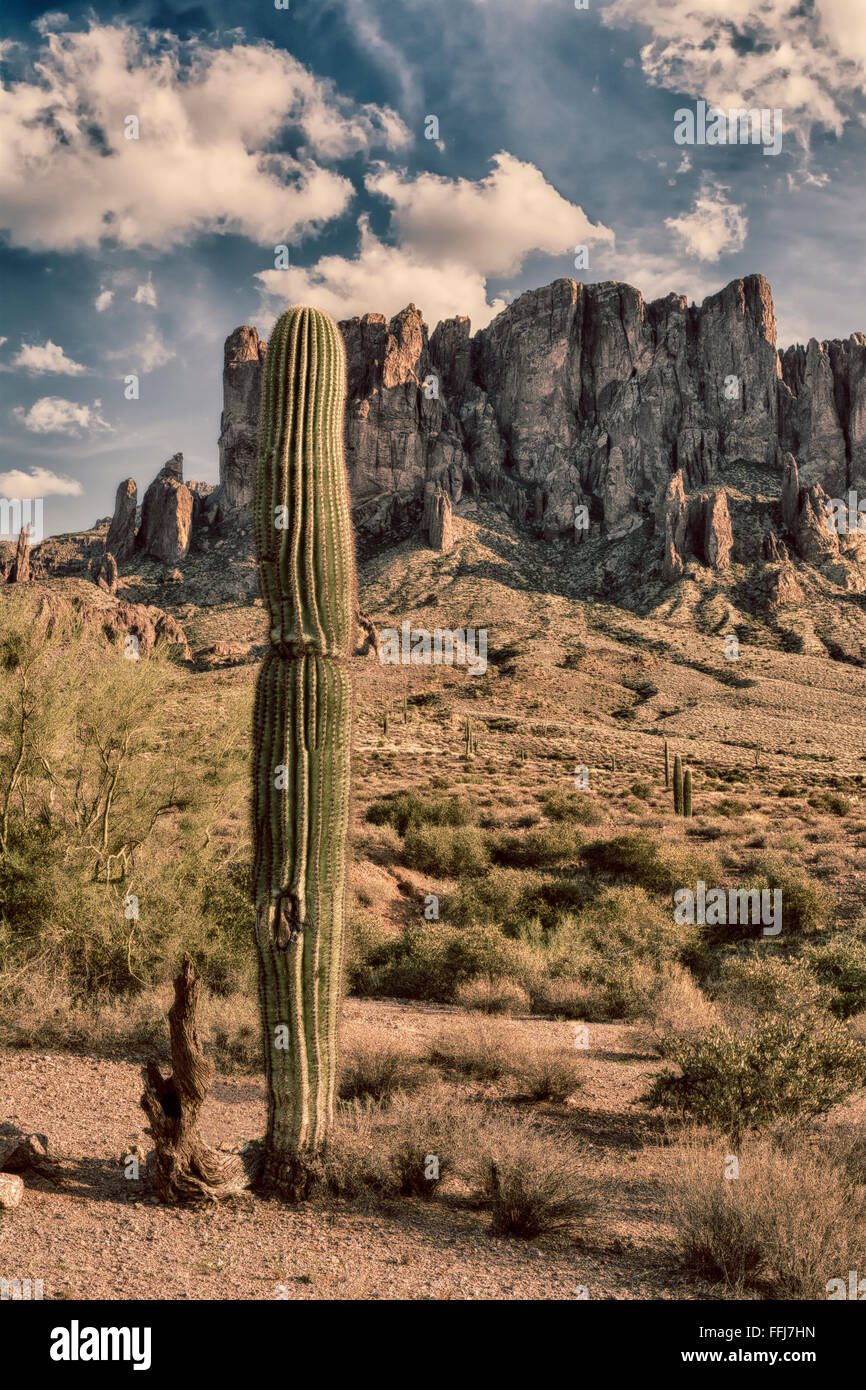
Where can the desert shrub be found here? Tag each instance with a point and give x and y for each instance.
(678, 1007)
(540, 848)
(642, 790)
(532, 1181)
(386, 1150)
(369, 946)
(836, 804)
(759, 985)
(840, 964)
(446, 851)
(513, 899)
(806, 905)
(790, 1221)
(561, 805)
(559, 997)
(780, 1069)
(731, 807)
(633, 858)
(626, 920)
(403, 810)
(493, 994)
(433, 960)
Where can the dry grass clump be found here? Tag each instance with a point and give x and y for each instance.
(377, 1066)
(678, 1007)
(787, 1225)
(549, 1073)
(531, 1180)
(407, 1147)
(492, 994)
(482, 1049)
(563, 998)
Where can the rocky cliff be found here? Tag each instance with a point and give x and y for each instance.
(577, 395)
(582, 410)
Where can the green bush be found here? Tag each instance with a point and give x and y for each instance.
(541, 848)
(830, 801)
(403, 810)
(840, 964)
(634, 858)
(806, 905)
(772, 985)
(447, 851)
(433, 960)
(781, 1069)
(572, 806)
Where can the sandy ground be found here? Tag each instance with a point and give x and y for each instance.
(101, 1235)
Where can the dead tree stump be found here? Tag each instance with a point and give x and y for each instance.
(186, 1169)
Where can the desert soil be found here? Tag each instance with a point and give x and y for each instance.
(100, 1235)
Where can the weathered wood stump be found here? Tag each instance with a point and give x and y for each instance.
(186, 1169)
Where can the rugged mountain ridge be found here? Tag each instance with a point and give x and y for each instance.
(574, 395)
(582, 410)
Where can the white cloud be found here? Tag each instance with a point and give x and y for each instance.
(808, 60)
(51, 21)
(102, 300)
(145, 294)
(147, 355)
(46, 358)
(3, 340)
(54, 415)
(39, 482)
(204, 161)
(451, 236)
(714, 228)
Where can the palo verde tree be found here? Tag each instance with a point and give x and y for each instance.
(302, 736)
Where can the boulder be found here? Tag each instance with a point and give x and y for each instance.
(11, 1191)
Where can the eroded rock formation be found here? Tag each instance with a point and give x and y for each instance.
(576, 394)
(166, 515)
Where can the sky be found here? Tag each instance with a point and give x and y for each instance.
(169, 172)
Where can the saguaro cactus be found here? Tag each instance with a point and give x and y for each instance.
(678, 785)
(687, 792)
(302, 733)
(667, 766)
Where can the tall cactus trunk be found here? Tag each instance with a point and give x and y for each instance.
(667, 766)
(687, 792)
(678, 785)
(302, 734)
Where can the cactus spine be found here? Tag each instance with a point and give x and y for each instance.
(678, 785)
(302, 735)
(667, 766)
(687, 792)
